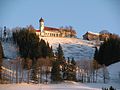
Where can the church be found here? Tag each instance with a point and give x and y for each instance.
(45, 31)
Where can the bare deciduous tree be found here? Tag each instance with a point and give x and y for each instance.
(29, 63)
(44, 67)
(103, 73)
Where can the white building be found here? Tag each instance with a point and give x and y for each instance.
(45, 31)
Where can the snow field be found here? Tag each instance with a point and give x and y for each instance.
(61, 86)
(73, 47)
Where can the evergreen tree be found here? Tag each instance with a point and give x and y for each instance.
(55, 73)
(68, 61)
(60, 54)
(31, 47)
(69, 72)
(58, 65)
(50, 53)
(34, 73)
(96, 53)
(73, 61)
(44, 48)
(73, 66)
(66, 69)
(28, 43)
(109, 51)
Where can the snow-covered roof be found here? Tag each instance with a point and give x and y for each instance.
(93, 33)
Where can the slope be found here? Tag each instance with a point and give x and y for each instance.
(72, 47)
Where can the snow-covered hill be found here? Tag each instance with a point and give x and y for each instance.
(10, 50)
(72, 47)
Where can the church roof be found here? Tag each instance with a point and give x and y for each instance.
(37, 30)
(50, 29)
(41, 20)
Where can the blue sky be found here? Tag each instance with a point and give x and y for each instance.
(83, 15)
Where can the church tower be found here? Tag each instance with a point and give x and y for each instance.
(41, 22)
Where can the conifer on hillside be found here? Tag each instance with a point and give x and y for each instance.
(58, 65)
(60, 54)
(55, 72)
(109, 51)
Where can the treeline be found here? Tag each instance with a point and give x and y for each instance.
(109, 51)
(30, 46)
(39, 59)
(63, 69)
(107, 54)
(68, 31)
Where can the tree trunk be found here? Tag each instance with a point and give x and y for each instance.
(10, 75)
(41, 75)
(16, 73)
(1, 76)
(21, 71)
(28, 76)
(93, 76)
(22, 74)
(46, 75)
(104, 79)
(96, 75)
(13, 76)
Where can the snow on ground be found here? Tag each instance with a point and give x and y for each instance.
(73, 47)
(114, 72)
(61, 86)
(10, 50)
(102, 85)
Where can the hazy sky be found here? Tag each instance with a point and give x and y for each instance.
(83, 15)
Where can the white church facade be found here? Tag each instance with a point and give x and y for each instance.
(45, 31)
